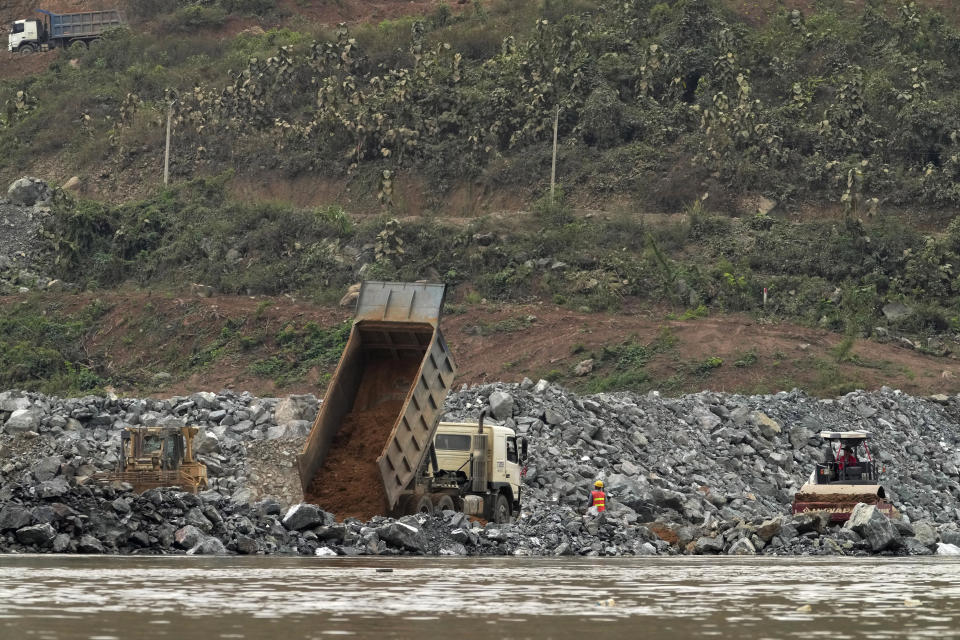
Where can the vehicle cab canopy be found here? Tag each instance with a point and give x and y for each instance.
(858, 436)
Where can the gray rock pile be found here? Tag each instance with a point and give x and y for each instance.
(707, 473)
(716, 473)
(22, 214)
(48, 441)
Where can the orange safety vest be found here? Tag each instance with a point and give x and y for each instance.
(599, 500)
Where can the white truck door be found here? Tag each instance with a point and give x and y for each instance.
(15, 36)
(512, 466)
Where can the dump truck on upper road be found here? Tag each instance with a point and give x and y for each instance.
(371, 449)
(848, 476)
(153, 457)
(61, 30)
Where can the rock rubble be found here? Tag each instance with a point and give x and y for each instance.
(708, 473)
(22, 215)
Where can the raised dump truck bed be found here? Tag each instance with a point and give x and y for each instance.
(392, 379)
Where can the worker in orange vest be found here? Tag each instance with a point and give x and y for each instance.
(598, 499)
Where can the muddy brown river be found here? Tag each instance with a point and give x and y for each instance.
(107, 598)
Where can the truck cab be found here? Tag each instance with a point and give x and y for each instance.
(454, 445)
(25, 35)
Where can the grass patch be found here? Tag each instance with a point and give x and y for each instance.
(42, 348)
(748, 359)
(300, 350)
(623, 366)
(832, 380)
(507, 325)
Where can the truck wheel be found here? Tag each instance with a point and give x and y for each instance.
(25, 49)
(77, 47)
(501, 510)
(419, 504)
(444, 503)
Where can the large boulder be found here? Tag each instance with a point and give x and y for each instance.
(742, 547)
(501, 405)
(206, 442)
(296, 407)
(769, 528)
(305, 516)
(402, 535)
(47, 468)
(23, 420)
(53, 488)
(14, 516)
(89, 544)
(188, 537)
(29, 191)
(767, 425)
(205, 400)
(209, 546)
(950, 535)
(11, 401)
(874, 527)
(896, 311)
(40, 535)
(926, 534)
(914, 547)
(799, 436)
(812, 521)
(708, 544)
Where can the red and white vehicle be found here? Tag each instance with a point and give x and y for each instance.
(849, 476)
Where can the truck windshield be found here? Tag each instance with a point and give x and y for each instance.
(18, 27)
(452, 442)
(512, 450)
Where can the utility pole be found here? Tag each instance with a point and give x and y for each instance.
(166, 153)
(553, 169)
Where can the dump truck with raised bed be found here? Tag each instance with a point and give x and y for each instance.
(849, 475)
(371, 448)
(61, 30)
(152, 457)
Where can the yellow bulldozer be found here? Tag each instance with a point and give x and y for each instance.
(153, 457)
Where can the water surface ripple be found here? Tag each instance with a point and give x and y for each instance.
(102, 598)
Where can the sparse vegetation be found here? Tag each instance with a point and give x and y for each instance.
(42, 349)
(675, 106)
(746, 360)
(300, 350)
(624, 365)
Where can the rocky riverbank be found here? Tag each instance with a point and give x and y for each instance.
(705, 473)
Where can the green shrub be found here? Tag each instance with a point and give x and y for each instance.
(303, 349)
(196, 17)
(249, 7)
(602, 119)
(42, 348)
(554, 210)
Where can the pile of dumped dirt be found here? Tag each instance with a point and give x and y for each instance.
(349, 483)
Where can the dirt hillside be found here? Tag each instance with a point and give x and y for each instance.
(143, 334)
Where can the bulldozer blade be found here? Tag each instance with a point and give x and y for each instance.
(840, 500)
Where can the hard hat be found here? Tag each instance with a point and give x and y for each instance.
(598, 484)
